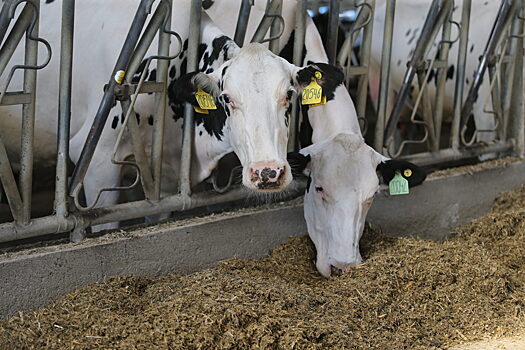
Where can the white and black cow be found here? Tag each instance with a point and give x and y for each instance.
(342, 170)
(409, 20)
(251, 86)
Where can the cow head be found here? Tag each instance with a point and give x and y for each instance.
(252, 92)
(342, 180)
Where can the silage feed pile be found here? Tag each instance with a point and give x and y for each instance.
(409, 294)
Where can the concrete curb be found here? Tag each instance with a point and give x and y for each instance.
(33, 279)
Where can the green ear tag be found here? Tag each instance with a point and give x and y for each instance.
(398, 185)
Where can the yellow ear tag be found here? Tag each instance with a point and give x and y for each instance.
(200, 110)
(205, 100)
(407, 172)
(313, 93)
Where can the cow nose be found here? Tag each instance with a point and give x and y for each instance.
(266, 176)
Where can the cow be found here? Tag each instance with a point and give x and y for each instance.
(251, 87)
(408, 23)
(342, 170)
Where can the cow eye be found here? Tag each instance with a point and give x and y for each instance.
(226, 98)
(289, 94)
(318, 189)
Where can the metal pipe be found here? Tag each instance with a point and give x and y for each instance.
(384, 80)
(332, 31)
(435, 18)
(275, 29)
(364, 59)
(189, 126)
(503, 19)
(507, 82)
(441, 79)
(109, 96)
(450, 154)
(242, 22)
(300, 32)
(460, 73)
(28, 122)
(53, 224)
(15, 36)
(64, 105)
(4, 19)
(160, 101)
(516, 129)
(265, 23)
(8, 181)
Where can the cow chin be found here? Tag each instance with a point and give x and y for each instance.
(267, 176)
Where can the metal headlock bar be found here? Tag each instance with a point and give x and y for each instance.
(503, 61)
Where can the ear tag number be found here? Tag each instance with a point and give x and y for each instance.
(398, 185)
(205, 100)
(200, 110)
(323, 102)
(313, 93)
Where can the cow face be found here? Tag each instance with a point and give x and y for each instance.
(341, 186)
(252, 92)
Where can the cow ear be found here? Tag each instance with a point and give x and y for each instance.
(298, 162)
(184, 88)
(331, 77)
(413, 173)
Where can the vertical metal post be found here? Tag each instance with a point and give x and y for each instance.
(386, 55)
(109, 96)
(28, 122)
(276, 28)
(242, 22)
(332, 31)
(189, 127)
(64, 105)
(300, 31)
(364, 58)
(460, 73)
(160, 102)
(441, 80)
(509, 69)
(516, 129)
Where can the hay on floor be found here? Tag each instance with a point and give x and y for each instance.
(409, 294)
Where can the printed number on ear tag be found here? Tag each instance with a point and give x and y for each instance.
(323, 102)
(200, 110)
(398, 185)
(312, 94)
(205, 100)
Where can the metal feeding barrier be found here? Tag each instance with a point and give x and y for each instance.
(502, 58)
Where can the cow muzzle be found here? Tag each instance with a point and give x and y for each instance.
(267, 176)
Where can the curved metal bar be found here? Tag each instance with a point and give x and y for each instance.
(30, 36)
(224, 189)
(277, 36)
(366, 21)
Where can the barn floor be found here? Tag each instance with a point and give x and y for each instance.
(409, 294)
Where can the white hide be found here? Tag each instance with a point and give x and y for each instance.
(409, 19)
(342, 185)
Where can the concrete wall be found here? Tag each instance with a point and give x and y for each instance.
(32, 279)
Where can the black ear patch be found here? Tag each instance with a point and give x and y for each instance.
(331, 79)
(183, 89)
(414, 174)
(298, 162)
